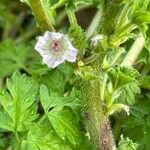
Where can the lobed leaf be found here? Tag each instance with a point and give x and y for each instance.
(19, 103)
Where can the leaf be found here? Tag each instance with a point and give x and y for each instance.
(52, 99)
(121, 76)
(127, 144)
(137, 125)
(112, 58)
(141, 17)
(42, 137)
(15, 56)
(59, 111)
(117, 107)
(128, 94)
(65, 124)
(110, 18)
(19, 102)
(55, 80)
(5, 122)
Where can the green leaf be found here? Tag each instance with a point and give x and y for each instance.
(110, 18)
(66, 125)
(55, 80)
(15, 56)
(141, 17)
(59, 111)
(128, 94)
(52, 99)
(112, 58)
(117, 107)
(127, 144)
(42, 137)
(5, 121)
(137, 125)
(19, 102)
(121, 76)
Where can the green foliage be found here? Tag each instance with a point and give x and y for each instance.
(78, 36)
(121, 76)
(3, 142)
(126, 16)
(60, 116)
(127, 144)
(42, 137)
(41, 108)
(139, 121)
(142, 17)
(109, 18)
(18, 104)
(15, 56)
(56, 80)
(73, 4)
(65, 125)
(128, 94)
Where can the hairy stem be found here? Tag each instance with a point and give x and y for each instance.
(97, 124)
(41, 15)
(72, 17)
(63, 13)
(134, 51)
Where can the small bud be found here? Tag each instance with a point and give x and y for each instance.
(80, 63)
(96, 39)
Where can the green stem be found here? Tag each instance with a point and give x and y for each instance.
(57, 5)
(72, 17)
(41, 15)
(63, 13)
(134, 52)
(94, 24)
(97, 124)
(104, 82)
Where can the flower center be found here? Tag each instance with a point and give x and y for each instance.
(56, 46)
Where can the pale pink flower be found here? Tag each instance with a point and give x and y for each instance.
(55, 48)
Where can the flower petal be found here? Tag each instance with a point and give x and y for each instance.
(53, 61)
(47, 35)
(71, 55)
(42, 46)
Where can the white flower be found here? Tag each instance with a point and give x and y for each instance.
(55, 48)
(96, 39)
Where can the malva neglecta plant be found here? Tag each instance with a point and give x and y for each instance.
(69, 86)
